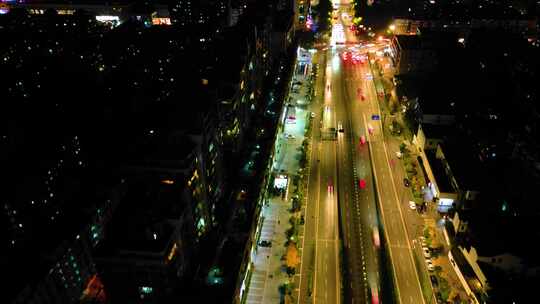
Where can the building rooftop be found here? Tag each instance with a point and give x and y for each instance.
(443, 182)
(466, 270)
(428, 41)
(432, 131)
(144, 219)
(493, 234)
(466, 169)
(160, 148)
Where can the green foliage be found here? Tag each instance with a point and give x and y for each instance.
(444, 288)
(403, 148)
(296, 205)
(303, 158)
(295, 180)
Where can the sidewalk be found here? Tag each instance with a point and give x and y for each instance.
(269, 266)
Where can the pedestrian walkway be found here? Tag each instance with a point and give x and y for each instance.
(269, 270)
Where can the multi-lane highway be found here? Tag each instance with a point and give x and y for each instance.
(350, 184)
(362, 105)
(320, 274)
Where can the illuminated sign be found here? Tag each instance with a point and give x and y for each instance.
(161, 21)
(107, 18)
(4, 8)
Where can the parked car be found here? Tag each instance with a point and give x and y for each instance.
(412, 205)
(426, 252)
(430, 266)
(265, 243)
(406, 182)
(434, 280)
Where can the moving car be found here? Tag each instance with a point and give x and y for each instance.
(340, 127)
(362, 140)
(374, 296)
(376, 238)
(362, 183)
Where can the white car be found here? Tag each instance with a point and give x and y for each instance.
(340, 127)
(312, 114)
(430, 266)
(412, 205)
(426, 252)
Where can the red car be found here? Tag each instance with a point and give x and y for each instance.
(362, 183)
(362, 140)
(374, 296)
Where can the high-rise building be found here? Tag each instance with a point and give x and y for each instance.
(150, 242)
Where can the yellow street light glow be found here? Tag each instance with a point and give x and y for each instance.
(392, 27)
